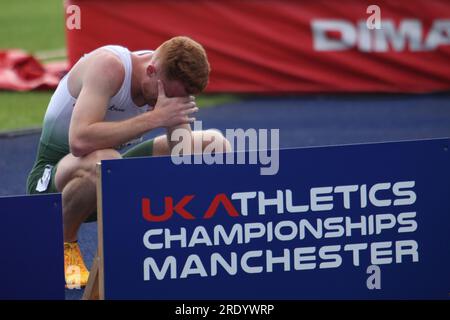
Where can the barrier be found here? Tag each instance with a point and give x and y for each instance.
(366, 221)
(286, 46)
(31, 244)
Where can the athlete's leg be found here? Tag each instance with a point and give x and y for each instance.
(76, 178)
(143, 149)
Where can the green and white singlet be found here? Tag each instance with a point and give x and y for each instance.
(54, 140)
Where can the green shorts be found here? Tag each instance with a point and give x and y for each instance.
(49, 158)
(46, 157)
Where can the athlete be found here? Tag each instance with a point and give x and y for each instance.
(107, 102)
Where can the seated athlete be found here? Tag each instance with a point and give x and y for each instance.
(108, 100)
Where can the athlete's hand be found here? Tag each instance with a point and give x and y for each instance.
(172, 112)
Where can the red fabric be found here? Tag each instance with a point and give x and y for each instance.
(20, 71)
(269, 45)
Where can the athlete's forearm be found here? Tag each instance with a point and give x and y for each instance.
(106, 135)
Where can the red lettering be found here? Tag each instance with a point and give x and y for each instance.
(179, 208)
(149, 216)
(169, 209)
(221, 198)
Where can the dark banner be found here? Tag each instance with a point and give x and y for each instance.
(31, 243)
(365, 221)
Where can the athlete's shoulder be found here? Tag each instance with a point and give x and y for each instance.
(106, 67)
(104, 57)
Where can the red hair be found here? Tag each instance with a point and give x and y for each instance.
(185, 59)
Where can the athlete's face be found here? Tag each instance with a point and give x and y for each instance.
(173, 88)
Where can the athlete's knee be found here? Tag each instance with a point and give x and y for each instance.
(103, 154)
(89, 169)
(97, 156)
(215, 135)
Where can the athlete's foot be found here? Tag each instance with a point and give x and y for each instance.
(75, 270)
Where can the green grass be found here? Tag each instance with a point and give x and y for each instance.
(22, 109)
(38, 25)
(211, 100)
(32, 25)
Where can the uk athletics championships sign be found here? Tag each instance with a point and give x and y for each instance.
(368, 221)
